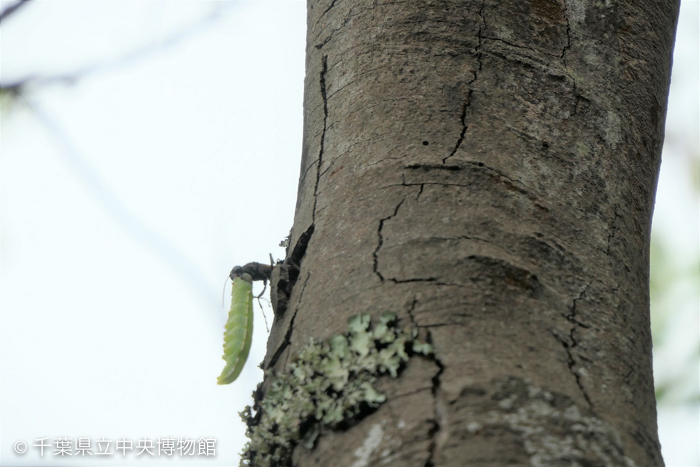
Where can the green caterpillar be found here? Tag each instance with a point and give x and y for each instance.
(238, 333)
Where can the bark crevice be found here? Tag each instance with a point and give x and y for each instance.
(375, 254)
(328, 9)
(573, 342)
(435, 427)
(567, 46)
(463, 120)
(477, 49)
(287, 341)
(324, 96)
(613, 231)
(286, 274)
(467, 104)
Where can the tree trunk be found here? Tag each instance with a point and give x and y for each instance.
(486, 170)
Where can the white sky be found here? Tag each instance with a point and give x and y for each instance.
(127, 197)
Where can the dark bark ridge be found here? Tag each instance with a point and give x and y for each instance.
(485, 170)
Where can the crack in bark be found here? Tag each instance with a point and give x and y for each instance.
(420, 191)
(289, 270)
(345, 21)
(294, 260)
(477, 49)
(306, 171)
(418, 279)
(322, 82)
(613, 229)
(578, 98)
(411, 310)
(381, 240)
(569, 346)
(330, 36)
(512, 183)
(302, 244)
(565, 49)
(463, 120)
(427, 167)
(568, 35)
(516, 46)
(467, 104)
(432, 433)
(288, 335)
(285, 343)
(327, 9)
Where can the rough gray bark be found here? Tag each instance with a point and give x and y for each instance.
(486, 170)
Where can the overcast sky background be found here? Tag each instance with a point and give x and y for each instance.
(128, 193)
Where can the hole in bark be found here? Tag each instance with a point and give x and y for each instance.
(425, 143)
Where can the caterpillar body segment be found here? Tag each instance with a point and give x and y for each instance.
(238, 332)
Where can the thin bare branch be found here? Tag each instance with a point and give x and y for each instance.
(12, 9)
(20, 86)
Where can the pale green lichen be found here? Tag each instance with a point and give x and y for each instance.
(330, 384)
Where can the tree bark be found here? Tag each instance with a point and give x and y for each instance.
(486, 170)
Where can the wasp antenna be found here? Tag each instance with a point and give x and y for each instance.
(223, 293)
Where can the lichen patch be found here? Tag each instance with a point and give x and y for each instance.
(330, 385)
